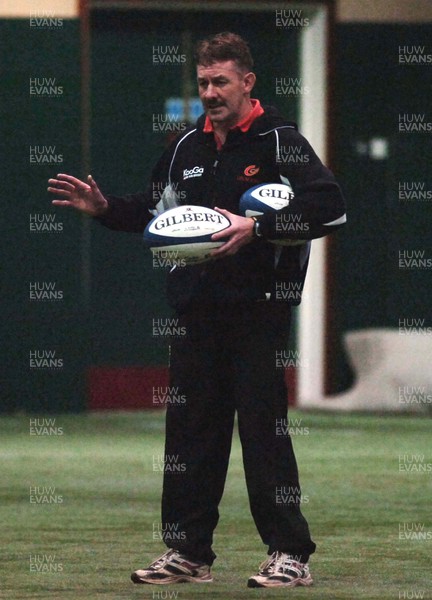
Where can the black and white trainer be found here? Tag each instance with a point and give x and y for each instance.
(173, 567)
(281, 570)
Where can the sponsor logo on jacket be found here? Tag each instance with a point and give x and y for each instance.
(194, 172)
(248, 174)
(251, 170)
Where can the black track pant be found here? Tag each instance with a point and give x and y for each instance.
(226, 361)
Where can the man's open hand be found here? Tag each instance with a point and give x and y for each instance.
(240, 233)
(85, 197)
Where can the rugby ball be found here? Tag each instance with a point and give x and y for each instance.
(268, 198)
(264, 198)
(182, 235)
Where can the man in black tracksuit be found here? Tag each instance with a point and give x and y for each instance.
(234, 319)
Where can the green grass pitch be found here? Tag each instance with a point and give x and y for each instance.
(78, 509)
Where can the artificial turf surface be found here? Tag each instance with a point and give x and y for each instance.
(94, 513)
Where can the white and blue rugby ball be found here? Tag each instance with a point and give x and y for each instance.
(182, 235)
(264, 198)
(267, 198)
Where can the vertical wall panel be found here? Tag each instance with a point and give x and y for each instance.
(374, 87)
(40, 121)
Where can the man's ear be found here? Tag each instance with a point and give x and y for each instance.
(249, 81)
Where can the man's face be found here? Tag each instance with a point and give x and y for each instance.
(224, 91)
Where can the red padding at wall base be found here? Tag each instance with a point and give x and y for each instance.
(125, 388)
(137, 388)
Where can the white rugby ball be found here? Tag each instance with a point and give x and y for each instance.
(268, 198)
(182, 235)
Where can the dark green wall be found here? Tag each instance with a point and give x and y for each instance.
(39, 120)
(372, 89)
(126, 90)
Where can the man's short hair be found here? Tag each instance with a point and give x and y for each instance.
(224, 46)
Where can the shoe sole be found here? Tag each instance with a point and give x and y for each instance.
(253, 583)
(170, 580)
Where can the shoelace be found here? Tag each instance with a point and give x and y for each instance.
(279, 561)
(162, 560)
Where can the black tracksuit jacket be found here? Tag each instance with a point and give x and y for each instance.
(271, 150)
